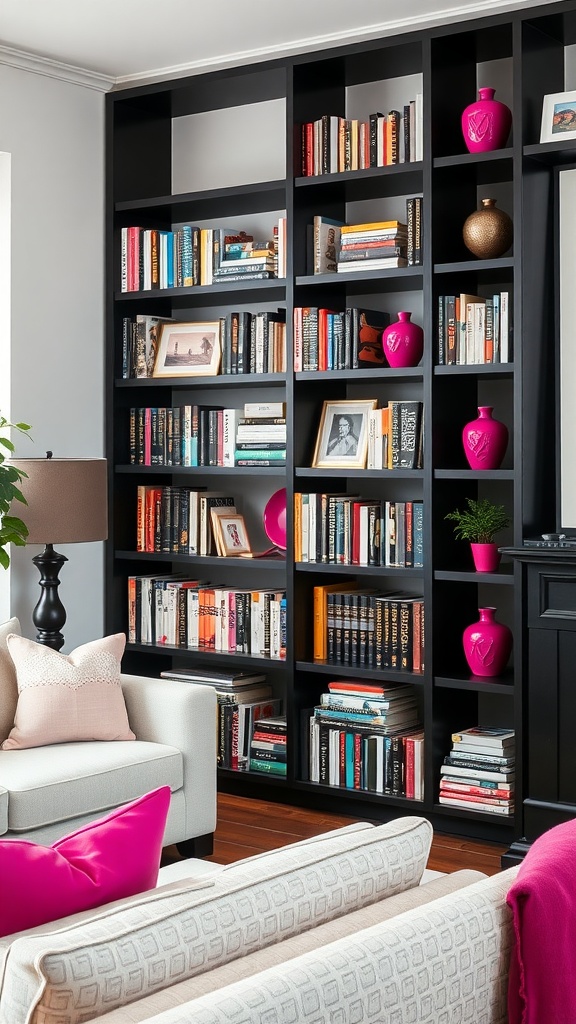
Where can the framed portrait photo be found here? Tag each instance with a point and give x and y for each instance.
(188, 350)
(231, 533)
(342, 440)
(558, 117)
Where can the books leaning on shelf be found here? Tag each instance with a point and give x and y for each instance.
(333, 144)
(358, 740)
(152, 258)
(362, 627)
(473, 329)
(348, 530)
(479, 772)
(268, 745)
(373, 246)
(199, 615)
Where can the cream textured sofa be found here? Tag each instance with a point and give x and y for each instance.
(48, 792)
(335, 929)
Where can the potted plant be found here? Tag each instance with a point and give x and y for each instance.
(478, 523)
(12, 529)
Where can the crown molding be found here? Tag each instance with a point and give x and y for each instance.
(37, 65)
(395, 26)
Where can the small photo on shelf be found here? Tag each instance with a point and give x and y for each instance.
(188, 350)
(230, 533)
(342, 440)
(558, 117)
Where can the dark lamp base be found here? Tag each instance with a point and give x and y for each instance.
(49, 614)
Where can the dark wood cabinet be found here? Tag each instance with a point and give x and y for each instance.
(151, 183)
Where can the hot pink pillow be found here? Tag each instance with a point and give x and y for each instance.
(106, 860)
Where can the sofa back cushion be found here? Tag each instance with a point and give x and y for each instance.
(144, 949)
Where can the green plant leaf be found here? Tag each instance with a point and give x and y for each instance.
(4, 558)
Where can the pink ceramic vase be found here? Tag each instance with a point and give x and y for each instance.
(486, 123)
(487, 644)
(486, 557)
(485, 440)
(403, 342)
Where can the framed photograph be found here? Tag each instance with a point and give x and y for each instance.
(231, 533)
(188, 350)
(342, 439)
(558, 117)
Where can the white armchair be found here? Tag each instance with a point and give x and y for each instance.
(48, 792)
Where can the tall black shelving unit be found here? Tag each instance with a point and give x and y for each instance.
(530, 46)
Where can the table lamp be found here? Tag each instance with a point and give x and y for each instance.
(66, 504)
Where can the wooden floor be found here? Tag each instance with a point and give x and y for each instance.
(246, 827)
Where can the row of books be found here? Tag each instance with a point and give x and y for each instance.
(199, 615)
(473, 329)
(333, 246)
(349, 530)
(203, 435)
(250, 343)
(152, 258)
(328, 340)
(244, 699)
(479, 772)
(362, 739)
(365, 627)
(332, 144)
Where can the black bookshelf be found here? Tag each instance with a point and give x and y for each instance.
(530, 45)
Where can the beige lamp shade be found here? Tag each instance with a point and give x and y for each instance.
(66, 498)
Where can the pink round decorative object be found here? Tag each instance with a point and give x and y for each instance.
(403, 342)
(485, 440)
(275, 519)
(486, 123)
(486, 557)
(487, 644)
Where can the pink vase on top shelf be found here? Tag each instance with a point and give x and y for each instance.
(485, 440)
(487, 645)
(486, 123)
(403, 342)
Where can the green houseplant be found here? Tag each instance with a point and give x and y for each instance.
(12, 529)
(478, 523)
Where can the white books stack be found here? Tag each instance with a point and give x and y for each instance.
(479, 772)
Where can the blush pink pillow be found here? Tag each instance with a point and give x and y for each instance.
(66, 698)
(108, 859)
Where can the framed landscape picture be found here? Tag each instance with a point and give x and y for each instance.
(188, 350)
(342, 440)
(558, 117)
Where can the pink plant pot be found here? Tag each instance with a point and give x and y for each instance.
(485, 440)
(486, 123)
(403, 342)
(487, 645)
(486, 557)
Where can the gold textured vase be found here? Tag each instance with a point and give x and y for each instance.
(488, 232)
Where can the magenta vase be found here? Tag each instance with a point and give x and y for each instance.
(486, 557)
(403, 342)
(485, 440)
(487, 644)
(486, 123)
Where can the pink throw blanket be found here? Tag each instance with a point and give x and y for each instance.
(542, 986)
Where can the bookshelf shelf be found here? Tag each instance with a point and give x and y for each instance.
(187, 181)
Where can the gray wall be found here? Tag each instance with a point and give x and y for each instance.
(52, 350)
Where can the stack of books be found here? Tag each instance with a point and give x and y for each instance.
(375, 246)
(261, 440)
(246, 257)
(365, 736)
(479, 772)
(243, 697)
(268, 746)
